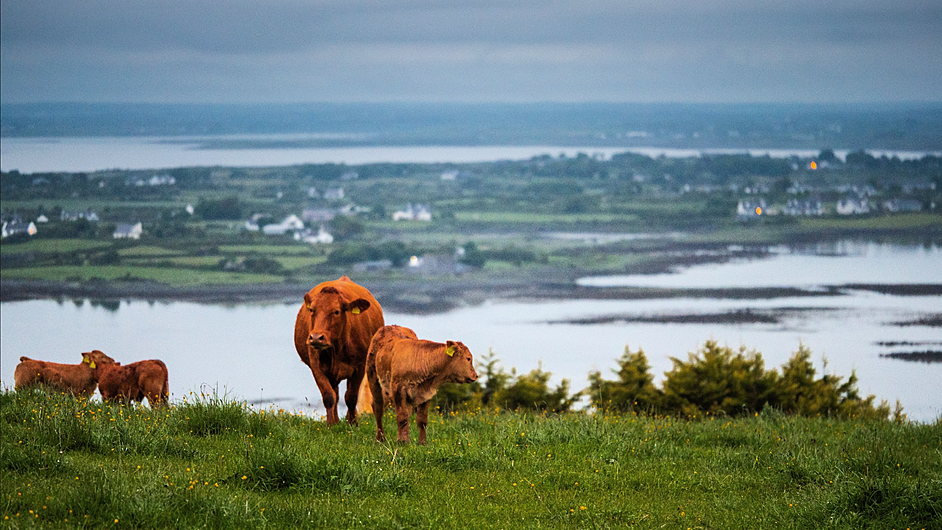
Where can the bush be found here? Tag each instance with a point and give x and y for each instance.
(634, 389)
(531, 392)
(715, 380)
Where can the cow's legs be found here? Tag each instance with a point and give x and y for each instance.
(403, 411)
(421, 419)
(328, 395)
(352, 395)
(379, 408)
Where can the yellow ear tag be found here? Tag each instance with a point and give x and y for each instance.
(355, 310)
(91, 364)
(450, 351)
(85, 360)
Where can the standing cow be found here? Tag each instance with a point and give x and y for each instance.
(332, 336)
(134, 382)
(78, 379)
(408, 371)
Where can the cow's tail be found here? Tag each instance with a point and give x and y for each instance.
(365, 399)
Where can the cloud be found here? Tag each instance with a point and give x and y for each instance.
(286, 50)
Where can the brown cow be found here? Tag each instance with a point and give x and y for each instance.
(78, 379)
(332, 335)
(408, 371)
(134, 382)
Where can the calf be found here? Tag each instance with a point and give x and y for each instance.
(77, 379)
(134, 382)
(407, 371)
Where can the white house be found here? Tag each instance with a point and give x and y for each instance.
(128, 231)
(750, 209)
(18, 227)
(803, 207)
(418, 212)
(42, 219)
(322, 237)
(333, 194)
(450, 174)
(292, 223)
(852, 206)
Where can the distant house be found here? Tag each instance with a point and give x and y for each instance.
(292, 223)
(88, 215)
(436, 264)
(333, 194)
(11, 228)
(317, 215)
(321, 237)
(350, 175)
(450, 174)
(418, 212)
(852, 206)
(902, 205)
(312, 193)
(804, 207)
(42, 219)
(746, 210)
(128, 231)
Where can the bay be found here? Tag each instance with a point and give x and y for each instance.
(247, 351)
(88, 154)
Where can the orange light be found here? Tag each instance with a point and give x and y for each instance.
(758, 210)
(814, 165)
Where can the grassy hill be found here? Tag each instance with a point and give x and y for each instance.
(209, 462)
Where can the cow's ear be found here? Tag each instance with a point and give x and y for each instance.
(308, 301)
(450, 348)
(358, 306)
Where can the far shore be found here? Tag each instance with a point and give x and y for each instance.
(418, 296)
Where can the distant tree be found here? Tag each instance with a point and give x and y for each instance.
(827, 155)
(345, 226)
(634, 389)
(219, 209)
(532, 392)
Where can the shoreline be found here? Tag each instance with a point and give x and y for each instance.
(422, 297)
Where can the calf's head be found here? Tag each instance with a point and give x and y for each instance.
(97, 358)
(329, 314)
(461, 365)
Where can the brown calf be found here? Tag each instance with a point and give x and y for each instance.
(78, 379)
(134, 382)
(408, 371)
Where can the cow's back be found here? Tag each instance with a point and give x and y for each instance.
(386, 342)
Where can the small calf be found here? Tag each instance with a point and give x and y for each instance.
(135, 381)
(408, 371)
(77, 379)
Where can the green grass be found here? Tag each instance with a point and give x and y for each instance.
(147, 251)
(53, 245)
(524, 217)
(210, 463)
(172, 276)
(275, 250)
(885, 222)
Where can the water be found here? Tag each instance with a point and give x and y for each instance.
(248, 352)
(31, 155)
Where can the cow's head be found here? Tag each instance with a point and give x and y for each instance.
(329, 313)
(97, 358)
(461, 366)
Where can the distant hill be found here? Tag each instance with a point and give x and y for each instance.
(916, 126)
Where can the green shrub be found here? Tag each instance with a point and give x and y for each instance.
(634, 390)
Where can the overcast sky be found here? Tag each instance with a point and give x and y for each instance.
(253, 51)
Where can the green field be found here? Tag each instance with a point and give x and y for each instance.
(208, 463)
(172, 276)
(53, 245)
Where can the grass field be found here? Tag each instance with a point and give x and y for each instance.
(211, 463)
(172, 276)
(53, 245)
